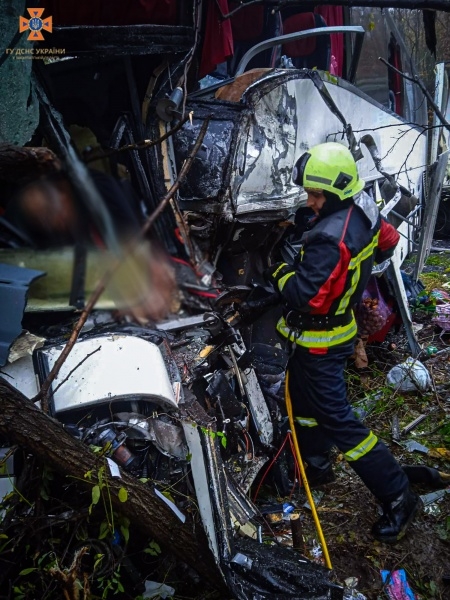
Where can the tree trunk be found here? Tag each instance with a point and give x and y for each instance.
(21, 165)
(26, 425)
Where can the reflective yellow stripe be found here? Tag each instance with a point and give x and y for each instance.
(355, 265)
(365, 252)
(274, 274)
(363, 448)
(343, 304)
(306, 422)
(282, 281)
(319, 339)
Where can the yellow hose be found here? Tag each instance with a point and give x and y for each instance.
(303, 474)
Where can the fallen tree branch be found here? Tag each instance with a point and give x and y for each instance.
(26, 425)
(142, 145)
(44, 391)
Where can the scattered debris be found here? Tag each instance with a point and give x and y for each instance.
(409, 376)
(396, 586)
(350, 591)
(413, 446)
(154, 589)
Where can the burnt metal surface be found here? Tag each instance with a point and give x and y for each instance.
(120, 40)
(14, 283)
(208, 176)
(259, 571)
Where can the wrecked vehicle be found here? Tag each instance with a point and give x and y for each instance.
(216, 370)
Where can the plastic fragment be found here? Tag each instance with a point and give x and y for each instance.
(243, 560)
(153, 589)
(397, 587)
(409, 376)
(413, 446)
(433, 497)
(350, 591)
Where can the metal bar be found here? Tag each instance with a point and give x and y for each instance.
(413, 424)
(430, 214)
(355, 58)
(396, 280)
(290, 37)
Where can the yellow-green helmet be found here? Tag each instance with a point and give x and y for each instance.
(330, 167)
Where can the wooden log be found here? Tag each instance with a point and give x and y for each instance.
(21, 165)
(26, 425)
(297, 532)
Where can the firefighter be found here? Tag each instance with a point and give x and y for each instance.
(339, 248)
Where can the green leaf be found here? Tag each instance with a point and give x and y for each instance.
(123, 495)
(124, 530)
(27, 571)
(104, 530)
(155, 546)
(98, 560)
(168, 495)
(43, 493)
(95, 494)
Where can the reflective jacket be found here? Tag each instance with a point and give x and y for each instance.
(333, 269)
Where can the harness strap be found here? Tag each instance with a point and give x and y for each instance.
(306, 321)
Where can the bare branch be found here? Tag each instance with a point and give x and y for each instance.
(142, 145)
(416, 79)
(75, 368)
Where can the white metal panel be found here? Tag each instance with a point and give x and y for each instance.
(292, 117)
(201, 485)
(114, 367)
(20, 374)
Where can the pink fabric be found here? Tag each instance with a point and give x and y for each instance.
(218, 41)
(333, 16)
(295, 23)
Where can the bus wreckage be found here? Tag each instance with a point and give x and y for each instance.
(195, 402)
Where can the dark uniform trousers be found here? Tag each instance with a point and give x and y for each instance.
(325, 419)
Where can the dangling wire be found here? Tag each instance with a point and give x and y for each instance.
(272, 462)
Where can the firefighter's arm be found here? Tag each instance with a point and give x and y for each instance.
(307, 286)
(387, 241)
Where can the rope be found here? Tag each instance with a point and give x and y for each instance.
(302, 471)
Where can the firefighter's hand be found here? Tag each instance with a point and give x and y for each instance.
(275, 274)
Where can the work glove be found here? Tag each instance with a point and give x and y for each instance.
(276, 272)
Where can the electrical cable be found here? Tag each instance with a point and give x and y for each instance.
(297, 474)
(302, 471)
(269, 467)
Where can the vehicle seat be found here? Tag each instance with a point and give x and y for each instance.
(252, 25)
(310, 52)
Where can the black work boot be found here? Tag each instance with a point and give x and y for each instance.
(319, 477)
(396, 518)
(319, 470)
